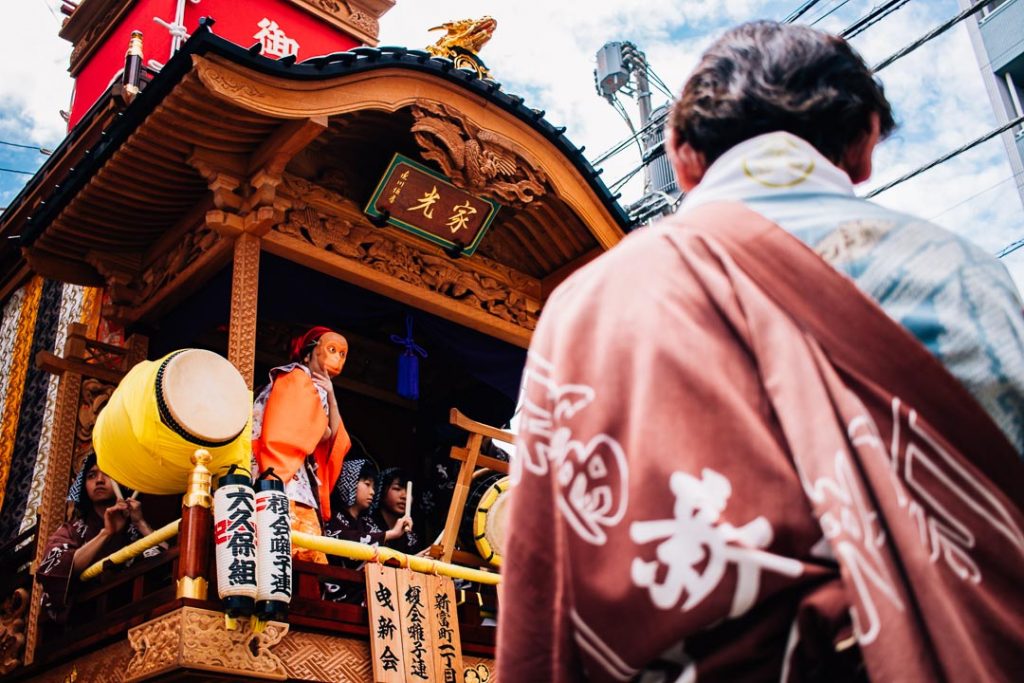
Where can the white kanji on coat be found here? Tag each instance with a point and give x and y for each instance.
(697, 548)
(590, 467)
(274, 40)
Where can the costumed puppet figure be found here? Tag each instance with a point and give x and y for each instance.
(100, 524)
(389, 507)
(297, 429)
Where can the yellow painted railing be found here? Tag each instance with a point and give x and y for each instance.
(330, 546)
(133, 550)
(369, 553)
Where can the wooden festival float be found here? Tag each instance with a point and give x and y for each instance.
(223, 197)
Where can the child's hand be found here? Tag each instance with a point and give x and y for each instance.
(401, 526)
(115, 517)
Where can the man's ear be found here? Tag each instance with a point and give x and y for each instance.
(856, 159)
(689, 164)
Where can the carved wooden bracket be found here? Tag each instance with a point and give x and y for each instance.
(223, 175)
(243, 189)
(197, 638)
(359, 18)
(478, 160)
(119, 270)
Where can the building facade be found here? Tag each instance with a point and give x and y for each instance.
(999, 45)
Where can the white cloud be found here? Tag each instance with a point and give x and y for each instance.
(545, 52)
(34, 83)
(941, 104)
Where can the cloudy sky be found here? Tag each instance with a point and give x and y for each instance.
(545, 51)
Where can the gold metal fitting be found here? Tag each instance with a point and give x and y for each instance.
(135, 44)
(199, 481)
(192, 588)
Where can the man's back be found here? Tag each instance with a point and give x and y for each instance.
(732, 464)
(957, 300)
(699, 494)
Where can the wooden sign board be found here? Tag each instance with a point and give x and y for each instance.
(417, 640)
(444, 627)
(414, 626)
(421, 201)
(383, 605)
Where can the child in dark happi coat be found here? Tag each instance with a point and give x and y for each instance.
(101, 524)
(353, 496)
(389, 508)
(350, 520)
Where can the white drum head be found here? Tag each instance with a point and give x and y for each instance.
(205, 395)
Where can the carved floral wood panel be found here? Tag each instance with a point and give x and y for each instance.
(494, 289)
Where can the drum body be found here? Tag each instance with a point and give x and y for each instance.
(483, 519)
(163, 410)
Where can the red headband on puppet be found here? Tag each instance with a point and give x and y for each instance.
(303, 344)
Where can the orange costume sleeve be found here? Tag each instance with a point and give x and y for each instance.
(293, 426)
(329, 459)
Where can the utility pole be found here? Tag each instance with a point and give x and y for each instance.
(636, 61)
(622, 67)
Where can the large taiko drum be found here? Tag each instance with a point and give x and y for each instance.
(484, 517)
(163, 410)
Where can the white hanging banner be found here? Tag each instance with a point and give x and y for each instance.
(273, 549)
(234, 514)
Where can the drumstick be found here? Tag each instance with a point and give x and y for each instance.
(117, 489)
(408, 499)
(135, 494)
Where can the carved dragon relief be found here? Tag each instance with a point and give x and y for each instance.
(462, 42)
(477, 160)
(496, 289)
(466, 34)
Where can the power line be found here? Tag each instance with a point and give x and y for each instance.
(14, 170)
(625, 143)
(41, 150)
(660, 84)
(1010, 248)
(946, 157)
(618, 106)
(50, 10)
(975, 196)
(800, 11)
(874, 16)
(618, 184)
(831, 11)
(938, 30)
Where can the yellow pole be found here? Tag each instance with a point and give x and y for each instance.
(361, 551)
(133, 550)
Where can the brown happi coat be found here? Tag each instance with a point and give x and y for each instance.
(733, 466)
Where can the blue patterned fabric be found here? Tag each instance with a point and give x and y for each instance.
(349, 479)
(955, 298)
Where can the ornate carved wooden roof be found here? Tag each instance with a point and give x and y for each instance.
(223, 141)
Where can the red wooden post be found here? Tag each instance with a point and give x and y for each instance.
(194, 532)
